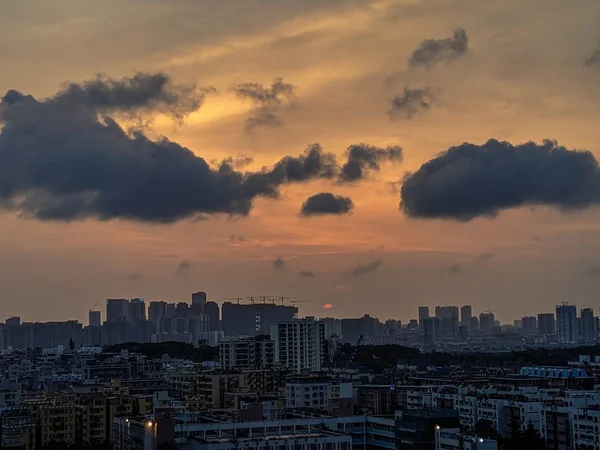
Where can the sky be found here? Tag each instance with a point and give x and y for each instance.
(372, 155)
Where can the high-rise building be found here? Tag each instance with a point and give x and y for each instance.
(300, 344)
(466, 312)
(474, 325)
(156, 311)
(117, 309)
(246, 353)
(423, 314)
(198, 302)
(587, 326)
(566, 323)
(431, 330)
(211, 309)
(253, 319)
(333, 325)
(446, 311)
(137, 310)
(529, 324)
(448, 317)
(94, 318)
(546, 324)
(487, 322)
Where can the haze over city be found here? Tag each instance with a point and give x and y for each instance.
(308, 124)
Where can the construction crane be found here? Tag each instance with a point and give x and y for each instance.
(293, 302)
(234, 298)
(354, 351)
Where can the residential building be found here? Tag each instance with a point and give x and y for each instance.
(566, 324)
(466, 313)
(415, 428)
(94, 318)
(529, 325)
(453, 439)
(423, 314)
(245, 353)
(300, 344)
(308, 392)
(546, 324)
(588, 331)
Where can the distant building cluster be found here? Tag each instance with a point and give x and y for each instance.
(256, 376)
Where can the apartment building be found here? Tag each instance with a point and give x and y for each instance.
(299, 344)
(308, 392)
(249, 352)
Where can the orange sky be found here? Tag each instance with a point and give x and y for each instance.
(522, 79)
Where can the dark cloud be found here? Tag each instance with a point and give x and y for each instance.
(326, 203)
(278, 263)
(236, 162)
(484, 257)
(65, 158)
(433, 51)
(471, 180)
(269, 102)
(411, 102)
(142, 92)
(593, 271)
(184, 267)
(594, 58)
(454, 269)
(366, 269)
(306, 274)
(363, 159)
(134, 276)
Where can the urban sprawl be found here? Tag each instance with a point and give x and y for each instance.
(250, 374)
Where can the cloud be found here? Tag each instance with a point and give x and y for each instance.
(184, 267)
(593, 271)
(236, 162)
(134, 276)
(326, 203)
(65, 158)
(594, 58)
(433, 51)
(278, 263)
(363, 159)
(366, 269)
(411, 102)
(471, 180)
(269, 102)
(306, 274)
(484, 257)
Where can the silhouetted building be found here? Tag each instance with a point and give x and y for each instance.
(587, 326)
(156, 311)
(137, 310)
(423, 314)
(566, 323)
(546, 324)
(486, 323)
(95, 318)
(253, 319)
(529, 324)
(198, 302)
(117, 309)
(211, 309)
(466, 313)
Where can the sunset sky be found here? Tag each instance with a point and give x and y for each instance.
(513, 229)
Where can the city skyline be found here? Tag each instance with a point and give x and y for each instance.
(404, 82)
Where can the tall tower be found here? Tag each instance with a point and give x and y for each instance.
(566, 323)
(466, 312)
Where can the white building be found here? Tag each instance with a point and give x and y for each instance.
(247, 352)
(317, 440)
(585, 431)
(453, 439)
(308, 392)
(299, 344)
